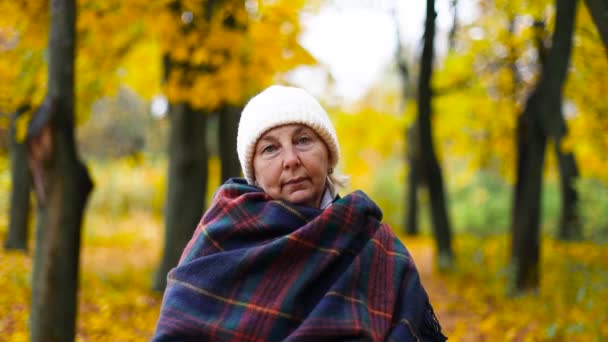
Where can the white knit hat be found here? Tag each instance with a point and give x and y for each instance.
(277, 106)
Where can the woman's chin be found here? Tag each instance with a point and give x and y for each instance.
(301, 197)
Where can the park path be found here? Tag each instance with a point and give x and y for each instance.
(456, 321)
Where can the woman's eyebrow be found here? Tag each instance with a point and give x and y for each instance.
(269, 137)
(299, 129)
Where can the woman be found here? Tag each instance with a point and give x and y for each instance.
(280, 256)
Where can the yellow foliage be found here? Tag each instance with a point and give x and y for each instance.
(105, 33)
(142, 69)
(226, 55)
(364, 147)
(219, 57)
(372, 146)
(586, 89)
(484, 84)
(23, 27)
(471, 124)
(21, 126)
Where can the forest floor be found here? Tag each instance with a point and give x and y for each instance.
(448, 305)
(472, 302)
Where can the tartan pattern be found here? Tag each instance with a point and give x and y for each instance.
(263, 270)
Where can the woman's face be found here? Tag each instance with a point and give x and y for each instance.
(291, 163)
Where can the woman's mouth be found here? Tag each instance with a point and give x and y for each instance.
(294, 181)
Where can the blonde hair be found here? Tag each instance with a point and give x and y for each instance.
(337, 182)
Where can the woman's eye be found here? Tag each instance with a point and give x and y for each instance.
(269, 149)
(303, 140)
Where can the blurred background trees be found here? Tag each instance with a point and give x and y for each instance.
(504, 121)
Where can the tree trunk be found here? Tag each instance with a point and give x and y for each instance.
(599, 14)
(430, 167)
(570, 227)
(186, 184)
(228, 126)
(528, 188)
(542, 118)
(413, 180)
(454, 28)
(412, 155)
(21, 181)
(62, 185)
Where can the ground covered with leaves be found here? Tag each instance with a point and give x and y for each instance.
(473, 303)
(115, 300)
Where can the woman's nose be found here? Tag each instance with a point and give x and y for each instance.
(290, 158)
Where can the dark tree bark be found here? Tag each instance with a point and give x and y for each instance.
(412, 155)
(413, 180)
(526, 209)
(599, 13)
(570, 227)
(186, 184)
(188, 162)
(62, 186)
(228, 126)
(229, 120)
(21, 181)
(541, 119)
(431, 169)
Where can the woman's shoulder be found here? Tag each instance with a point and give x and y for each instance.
(235, 187)
(235, 192)
(358, 202)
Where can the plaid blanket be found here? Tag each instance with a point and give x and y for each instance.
(257, 269)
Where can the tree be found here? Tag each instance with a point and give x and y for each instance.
(229, 115)
(22, 72)
(62, 186)
(481, 116)
(187, 175)
(22, 69)
(413, 139)
(584, 91)
(412, 155)
(570, 227)
(540, 120)
(599, 13)
(430, 167)
(187, 183)
(20, 190)
(414, 177)
(228, 126)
